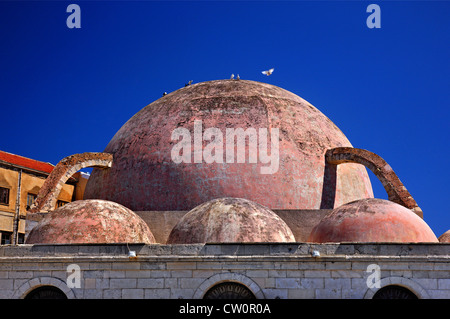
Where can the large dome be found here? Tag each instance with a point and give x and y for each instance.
(372, 220)
(91, 221)
(227, 220)
(156, 166)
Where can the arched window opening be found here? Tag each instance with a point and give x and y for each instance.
(46, 292)
(394, 292)
(229, 290)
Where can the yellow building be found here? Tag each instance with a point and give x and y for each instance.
(20, 181)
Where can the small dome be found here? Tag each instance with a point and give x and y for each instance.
(91, 221)
(230, 220)
(445, 237)
(372, 220)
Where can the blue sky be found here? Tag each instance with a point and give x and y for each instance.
(65, 91)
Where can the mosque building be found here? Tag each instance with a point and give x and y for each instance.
(228, 189)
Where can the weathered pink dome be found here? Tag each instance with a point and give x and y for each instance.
(144, 175)
(230, 220)
(372, 220)
(91, 221)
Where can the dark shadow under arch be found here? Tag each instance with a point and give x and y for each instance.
(229, 290)
(394, 292)
(46, 292)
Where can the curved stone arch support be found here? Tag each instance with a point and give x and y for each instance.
(230, 277)
(395, 189)
(37, 282)
(49, 192)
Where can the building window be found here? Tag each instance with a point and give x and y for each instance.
(60, 203)
(46, 292)
(6, 237)
(30, 200)
(21, 238)
(229, 290)
(394, 292)
(4, 196)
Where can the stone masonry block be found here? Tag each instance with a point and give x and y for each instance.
(156, 293)
(444, 284)
(287, 283)
(123, 283)
(150, 283)
(133, 293)
(317, 273)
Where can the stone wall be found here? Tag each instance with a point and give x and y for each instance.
(189, 271)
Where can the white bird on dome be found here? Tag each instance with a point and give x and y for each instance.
(268, 72)
(232, 77)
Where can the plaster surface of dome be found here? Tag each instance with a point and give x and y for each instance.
(145, 177)
(230, 220)
(91, 221)
(372, 220)
(445, 237)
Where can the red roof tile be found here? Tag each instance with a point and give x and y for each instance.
(26, 162)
